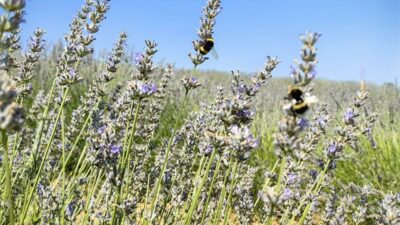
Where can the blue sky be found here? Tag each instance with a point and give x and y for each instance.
(356, 33)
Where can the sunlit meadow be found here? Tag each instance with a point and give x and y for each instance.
(128, 140)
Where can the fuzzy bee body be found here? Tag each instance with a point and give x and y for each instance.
(206, 46)
(295, 93)
(300, 107)
(301, 104)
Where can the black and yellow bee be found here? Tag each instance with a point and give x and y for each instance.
(300, 106)
(206, 46)
(295, 93)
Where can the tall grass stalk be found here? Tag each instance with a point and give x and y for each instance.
(8, 193)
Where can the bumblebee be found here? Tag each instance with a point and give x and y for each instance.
(299, 107)
(206, 46)
(295, 93)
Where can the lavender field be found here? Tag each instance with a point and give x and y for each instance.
(126, 139)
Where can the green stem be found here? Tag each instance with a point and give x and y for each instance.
(278, 188)
(90, 196)
(46, 154)
(266, 183)
(63, 167)
(7, 195)
(82, 130)
(233, 184)
(196, 177)
(210, 191)
(315, 187)
(39, 131)
(125, 162)
(217, 215)
(198, 190)
(164, 166)
(14, 151)
(280, 176)
(271, 216)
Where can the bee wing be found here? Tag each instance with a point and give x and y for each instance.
(214, 53)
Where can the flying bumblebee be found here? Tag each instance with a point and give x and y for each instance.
(206, 46)
(299, 107)
(295, 93)
(301, 104)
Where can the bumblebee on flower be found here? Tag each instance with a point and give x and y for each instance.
(300, 102)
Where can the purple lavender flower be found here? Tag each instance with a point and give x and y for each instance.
(101, 130)
(242, 88)
(208, 149)
(313, 174)
(115, 149)
(102, 146)
(293, 71)
(190, 83)
(302, 123)
(235, 130)
(321, 163)
(321, 122)
(138, 58)
(349, 116)
(255, 142)
(145, 89)
(244, 135)
(244, 113)
(153, 88)
(294, 74)
(311, 75)
(287, 194)
(332, 149)
(239, 89)
(69, 210)
(72, 72)
(292, 177)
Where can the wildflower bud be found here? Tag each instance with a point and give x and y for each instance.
(83, 51)
(140, 89)
(5, 24)
(92, 28)
(101, 6)
(309, 39)
(12, 5)
(69, 77)
(349, 117)
(190, 83)
(87, 40)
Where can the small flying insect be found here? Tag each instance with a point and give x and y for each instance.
(302, 102)
(299, 107)
(206, 46)
(295, 93)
